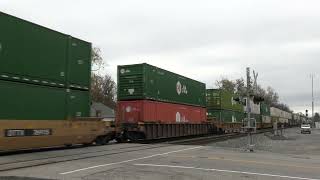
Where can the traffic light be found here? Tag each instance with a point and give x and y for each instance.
(307, 112)
(239, 100)
(257, 99)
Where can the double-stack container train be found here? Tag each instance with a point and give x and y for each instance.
(45, 93)
(44, 87)
(154, 103)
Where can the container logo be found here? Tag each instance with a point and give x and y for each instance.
(131, 91)
(122, 71)
(128, 109)
(181, 88)
(178, 117)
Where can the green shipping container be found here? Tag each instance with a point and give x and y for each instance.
(220, 99)
(264, 109)
(34, 54)
(226, 116)
(21, 101)
(143, 81)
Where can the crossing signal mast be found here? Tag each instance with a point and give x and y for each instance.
(250, 123)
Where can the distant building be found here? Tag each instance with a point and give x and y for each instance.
(103, 111)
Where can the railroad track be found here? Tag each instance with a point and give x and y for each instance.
(32, 162)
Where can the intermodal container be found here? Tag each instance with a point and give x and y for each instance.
(226, 116)
(146, 111)
(265, 109)
(265, 119)
(144, 81)
(221, 99)
(32, 53)
(21, 101)
(275, 112)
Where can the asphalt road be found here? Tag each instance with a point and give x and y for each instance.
(177, 162)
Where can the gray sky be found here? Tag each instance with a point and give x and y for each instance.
(201, 39)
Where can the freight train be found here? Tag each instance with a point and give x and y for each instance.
(45, 93)
(155, 103)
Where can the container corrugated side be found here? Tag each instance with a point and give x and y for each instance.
(264, 109)
(266, 119)
(78, 103)
(275, 112)
(220, 99)
(225, 116)
(143, 81)
(146, 111)
(79, 64)
(21, 101)
(34, 54)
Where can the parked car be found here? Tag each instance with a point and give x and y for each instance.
(305, 128)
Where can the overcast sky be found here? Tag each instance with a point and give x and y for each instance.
(202, 39)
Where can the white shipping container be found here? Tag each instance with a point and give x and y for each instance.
(275, 112)
(287, 115)
(283, 120)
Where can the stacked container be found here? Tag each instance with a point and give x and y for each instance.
(221, 105)
(265, 113)
(44, 74)
(148, 94)
(280, 116)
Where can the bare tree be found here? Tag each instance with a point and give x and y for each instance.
(226, 84)
(240, 87)
(96, 59)
(103, 87)
(271, 97)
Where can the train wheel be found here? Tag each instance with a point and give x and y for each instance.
(102, 140)
(87, 144)
(68, 145)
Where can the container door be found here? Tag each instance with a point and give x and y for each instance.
(131, 82)
(79, 64)
(78, 103)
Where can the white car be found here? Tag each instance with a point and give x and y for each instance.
(305, 128)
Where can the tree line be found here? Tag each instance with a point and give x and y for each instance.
(271, 97)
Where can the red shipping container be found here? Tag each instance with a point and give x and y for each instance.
(159, 112)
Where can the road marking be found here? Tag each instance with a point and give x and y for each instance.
(257, 162)
(223, 170)
(130, 160)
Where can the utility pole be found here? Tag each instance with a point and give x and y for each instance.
(312, 96)
(250, 144)
(312, 117)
